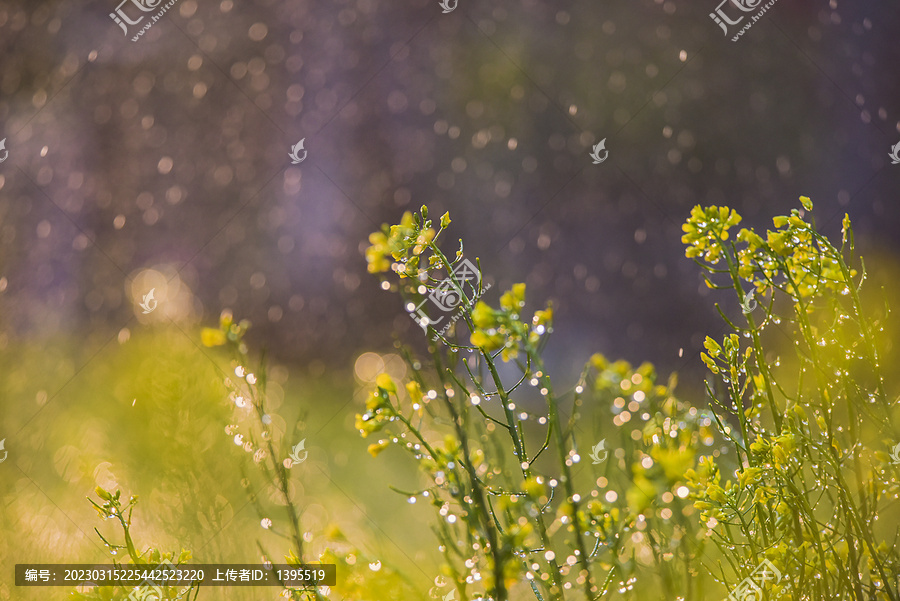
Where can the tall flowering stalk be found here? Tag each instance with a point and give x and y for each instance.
(255, 432)
(809, 486)
(519, 512)
(111, 507)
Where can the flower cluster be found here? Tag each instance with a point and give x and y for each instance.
(735, 499)
(706, 229)
(400, 247)
(727, 356)
(670, 431)
(793, 256)
(794, 251)
(504, 329)
(227, 332)
(379, 409)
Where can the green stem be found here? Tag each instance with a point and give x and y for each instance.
(556, 426)
(490, 532)
(280, 471)
(757, 347)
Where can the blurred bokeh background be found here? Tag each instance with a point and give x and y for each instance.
(163, 164)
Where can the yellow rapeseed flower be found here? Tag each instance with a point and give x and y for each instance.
(376, 448)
